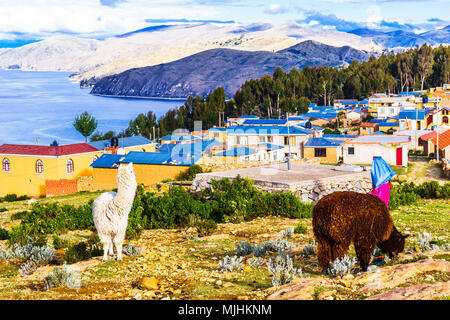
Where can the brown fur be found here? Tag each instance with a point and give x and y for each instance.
(346, 217)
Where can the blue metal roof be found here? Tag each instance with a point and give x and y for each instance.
(217, 129)
(389, 124)
(236, 151)
(270, 130)
(323, 142)
(320, 115)
(412, 114)
(265, 121)
(161, 158)
(107, 160)
(123, 142)
(180, 137)
(340, 136)
(248, 117)
(376, 120)
(189, 148)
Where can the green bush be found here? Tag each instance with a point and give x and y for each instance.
(18, 215)
(59, 243)
(3, 209)
(205, 227)
(83, 250)
(4, 235)
(190, 173)
(300, 229)
(13, 197)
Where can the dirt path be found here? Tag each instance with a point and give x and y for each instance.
(422, 171)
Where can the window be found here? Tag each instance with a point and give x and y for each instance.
(286, 140)
(242, 140)
(69, 166)
(262, 139)
(320, 152)
(269, 139)
(6, 165)
(39, 166)
(351, 150)
(445, 120)
(216, 135)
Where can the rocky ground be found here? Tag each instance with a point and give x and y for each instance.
(176, 264)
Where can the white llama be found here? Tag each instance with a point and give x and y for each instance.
(110, 211)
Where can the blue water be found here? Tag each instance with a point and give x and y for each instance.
(43, 105)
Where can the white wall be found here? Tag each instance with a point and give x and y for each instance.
(364, 154)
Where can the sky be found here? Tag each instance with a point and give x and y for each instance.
(28, 20)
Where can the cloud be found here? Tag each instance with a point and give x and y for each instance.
(111, 3)
(188, 21)
(275, 8)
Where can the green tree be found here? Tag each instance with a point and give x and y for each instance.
(85, 124)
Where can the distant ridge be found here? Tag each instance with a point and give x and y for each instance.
(201, 73)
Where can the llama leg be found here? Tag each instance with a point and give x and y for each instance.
(119, 250)
(111, 248)
(324, 255)
(105, 250)
(364, 253)
(338, 250)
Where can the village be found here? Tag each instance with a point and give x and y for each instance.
(348, 134)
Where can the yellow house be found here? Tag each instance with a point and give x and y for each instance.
(26, 169)
(220, 134)
(323, 149)
(150, 168)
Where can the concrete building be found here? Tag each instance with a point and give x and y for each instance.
(361, 150)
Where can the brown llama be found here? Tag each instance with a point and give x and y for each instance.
(346, 217)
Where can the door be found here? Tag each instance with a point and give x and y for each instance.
(399, 161)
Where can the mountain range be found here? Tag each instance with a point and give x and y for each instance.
(201, 73)
(253, 50)
(404, 39)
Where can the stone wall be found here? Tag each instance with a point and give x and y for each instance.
(307, 191)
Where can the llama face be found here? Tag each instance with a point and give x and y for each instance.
(126, 172)
(395, 244)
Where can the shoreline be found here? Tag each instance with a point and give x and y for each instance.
(138, 97)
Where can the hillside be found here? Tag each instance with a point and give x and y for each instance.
(404, 39)
(201, 73)
(92, 58)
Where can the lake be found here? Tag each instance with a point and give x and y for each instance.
(42, 106)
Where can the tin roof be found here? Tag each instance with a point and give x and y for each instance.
(34, 150)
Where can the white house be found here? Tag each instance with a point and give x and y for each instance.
(291, 138)
(361, 150)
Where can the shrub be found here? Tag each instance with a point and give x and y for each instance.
(205, 227)
(3, 209)
(62, 277)
(190, 173)
(32, 254)
(18, 215)
(283, 270)
(230, 264)
(300, 228)
(341, 267)
(13, 197)
(4, 235)
(59, 243)
(83, 250)
(131, 250)
(244, 248)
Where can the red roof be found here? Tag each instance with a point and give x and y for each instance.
(34, 150)
(428, 136)
(444, 139)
